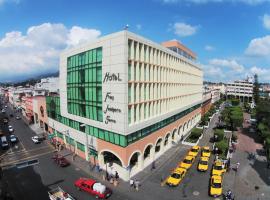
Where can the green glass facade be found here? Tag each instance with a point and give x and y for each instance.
(53, 111)
(84, 84)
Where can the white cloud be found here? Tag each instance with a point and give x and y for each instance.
(249, 2)
(79, 35)
(263, 73)
(259, 47)
(138, 26)
(2, 2)
(38, 50)
(182, 29)
(231, 64)
(209, 48)
(266, 21)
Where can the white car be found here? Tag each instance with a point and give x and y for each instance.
(13, 138)
(10, 128)
(5, 106)
(3, 110)
(35, 139)
(18, 117)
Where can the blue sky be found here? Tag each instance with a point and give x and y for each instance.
(230, 37)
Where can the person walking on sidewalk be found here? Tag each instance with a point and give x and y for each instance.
(237, 166)
(131, 182)
(153, 166)
(137, 184)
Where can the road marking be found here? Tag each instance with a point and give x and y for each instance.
(23, 159)
(21, 143)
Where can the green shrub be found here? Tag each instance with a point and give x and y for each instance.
(235, 102)
(194, 135)
(222, 146)
(219, 133)
(267, 142)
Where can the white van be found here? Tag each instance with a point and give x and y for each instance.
(4, 142)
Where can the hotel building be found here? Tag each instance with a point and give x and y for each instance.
(124, 100)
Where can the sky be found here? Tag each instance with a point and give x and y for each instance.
(230, 37)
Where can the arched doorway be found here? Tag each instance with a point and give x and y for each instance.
(147, 151)
(111, 158)
(134, 160)
(158, 145)
(166, 139)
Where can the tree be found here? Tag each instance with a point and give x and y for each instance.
(256, 96)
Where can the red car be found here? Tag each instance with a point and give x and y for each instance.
(93, 187)
(61, 161)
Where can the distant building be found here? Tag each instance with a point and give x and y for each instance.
(241, 89)
(207, 100)
(50, 85)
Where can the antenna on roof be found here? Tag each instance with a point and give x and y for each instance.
(126, 27)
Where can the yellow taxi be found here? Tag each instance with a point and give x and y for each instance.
(218, 168)
(187, 162)
(203, 164)
(176, 177)
(215, 186)
(206, 152)
(194, 151)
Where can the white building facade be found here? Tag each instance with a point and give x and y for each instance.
(124, 100)
(241, 89)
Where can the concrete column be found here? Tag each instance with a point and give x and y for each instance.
(100, 159)
(140, 162)
(152, 153)
(170, 141)
(162, 146)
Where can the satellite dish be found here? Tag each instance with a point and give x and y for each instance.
(126, 27)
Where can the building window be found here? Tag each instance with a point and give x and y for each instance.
(129, 71)
(129, 115)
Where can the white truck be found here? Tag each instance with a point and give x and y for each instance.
(59, 194)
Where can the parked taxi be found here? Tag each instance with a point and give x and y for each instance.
(206, 152)
(187, 162)
(218, 168)
(194, 151)
(215, 189)
(203, 164)
(176, 177)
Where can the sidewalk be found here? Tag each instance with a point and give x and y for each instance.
(252, 180)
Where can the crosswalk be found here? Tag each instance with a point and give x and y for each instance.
(11, 158)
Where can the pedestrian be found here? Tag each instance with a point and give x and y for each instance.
(153, 166)
(137, 184)
(234, 147)
(131, 182)
(268, 164)
(216, 150)
(216, 157)
(116, 175)
(107, 176)
(237, 166)
(229, 164)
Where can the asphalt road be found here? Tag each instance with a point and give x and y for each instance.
(34, 182)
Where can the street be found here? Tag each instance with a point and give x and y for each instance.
(34, 182)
